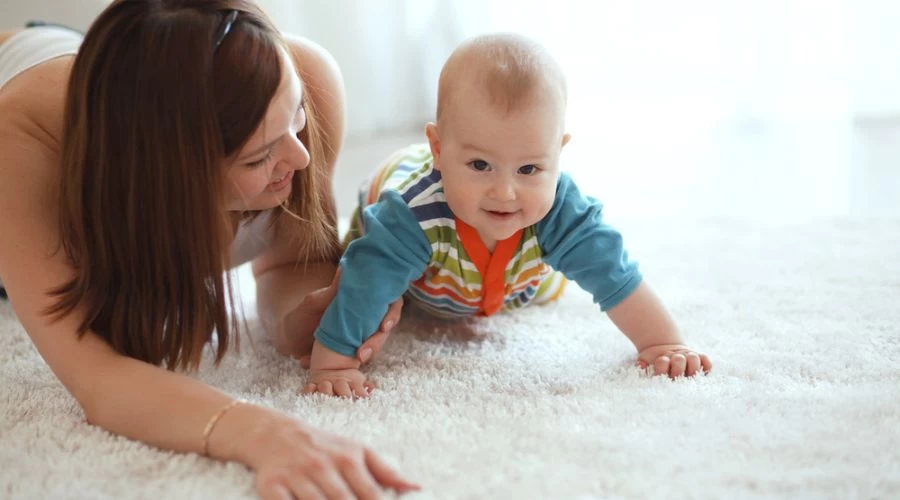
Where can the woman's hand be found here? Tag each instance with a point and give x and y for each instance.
(293, 460)
(297, 329)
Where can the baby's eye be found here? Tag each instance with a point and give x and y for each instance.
(528, 169)
(479, 165)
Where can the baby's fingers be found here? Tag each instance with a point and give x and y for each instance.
(360, 389)
(342, 389)
(326, 388)
(661, 365)
(693, 364)
(677, 366)
(705, 363)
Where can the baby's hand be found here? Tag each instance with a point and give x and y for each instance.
(335, 375)
(347, 383)
(674, 360)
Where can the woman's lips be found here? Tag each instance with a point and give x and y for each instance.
(282, 183)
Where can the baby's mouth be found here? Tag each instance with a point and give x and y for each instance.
(501, 214)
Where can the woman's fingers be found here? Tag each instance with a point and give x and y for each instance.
(300, 487)
(374, 343)
(331, 483)
(328, 293)
(393, 315)
(361, 481)
(304, 488)
(385, 475)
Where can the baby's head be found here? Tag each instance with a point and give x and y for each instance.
(499, 132)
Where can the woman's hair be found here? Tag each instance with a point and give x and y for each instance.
(153, 109)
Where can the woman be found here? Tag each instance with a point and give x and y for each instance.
(185, 137)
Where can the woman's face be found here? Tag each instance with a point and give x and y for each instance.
(258, 177)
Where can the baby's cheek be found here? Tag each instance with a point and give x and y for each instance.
(544, 207)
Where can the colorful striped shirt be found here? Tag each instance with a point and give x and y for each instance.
(404, 239)
(462, 278)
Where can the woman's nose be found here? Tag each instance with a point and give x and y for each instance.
(297, 155)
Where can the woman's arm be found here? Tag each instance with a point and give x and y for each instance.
(285, 277)
(126, 396)
(284, 274)
(120, 394)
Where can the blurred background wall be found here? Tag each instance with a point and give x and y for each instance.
(774, 108)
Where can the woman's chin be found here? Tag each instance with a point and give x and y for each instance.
(265, 201)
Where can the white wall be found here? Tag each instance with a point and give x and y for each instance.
(390, 52)
(734, 58)
(75, 13)
(771, 97)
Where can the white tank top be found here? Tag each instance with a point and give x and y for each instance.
(33, 46)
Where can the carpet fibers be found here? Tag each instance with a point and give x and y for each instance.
(802, 321)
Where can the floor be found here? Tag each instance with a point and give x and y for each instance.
(545, 403)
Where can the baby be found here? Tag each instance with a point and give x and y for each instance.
(481, 220)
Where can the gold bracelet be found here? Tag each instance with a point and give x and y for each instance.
(214, 420)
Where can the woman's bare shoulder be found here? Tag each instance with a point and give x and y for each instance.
(316, 61)
(32, 105)
(31, 109)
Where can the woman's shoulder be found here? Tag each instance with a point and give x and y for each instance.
(32, 106)
(31, 109)
(313, 60)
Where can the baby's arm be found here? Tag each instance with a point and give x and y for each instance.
(577, 242)
(643, 318)
(376, 270)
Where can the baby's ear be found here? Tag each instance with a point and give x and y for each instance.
(434, 141)
(565, 139)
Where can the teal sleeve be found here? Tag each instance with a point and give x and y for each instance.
(376, 270)
(576, 242)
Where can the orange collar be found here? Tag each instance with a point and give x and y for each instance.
(492, 267)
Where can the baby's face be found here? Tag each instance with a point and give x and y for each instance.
(499, 169)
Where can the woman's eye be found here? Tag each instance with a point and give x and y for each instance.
(262, 161)
(479, 165)
(528, 169)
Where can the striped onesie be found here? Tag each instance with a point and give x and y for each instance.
(404, 239)
(462, 277)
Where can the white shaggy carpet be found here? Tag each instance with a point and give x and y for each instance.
(801, 319)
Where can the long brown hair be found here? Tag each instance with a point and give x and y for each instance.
(153, 109)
